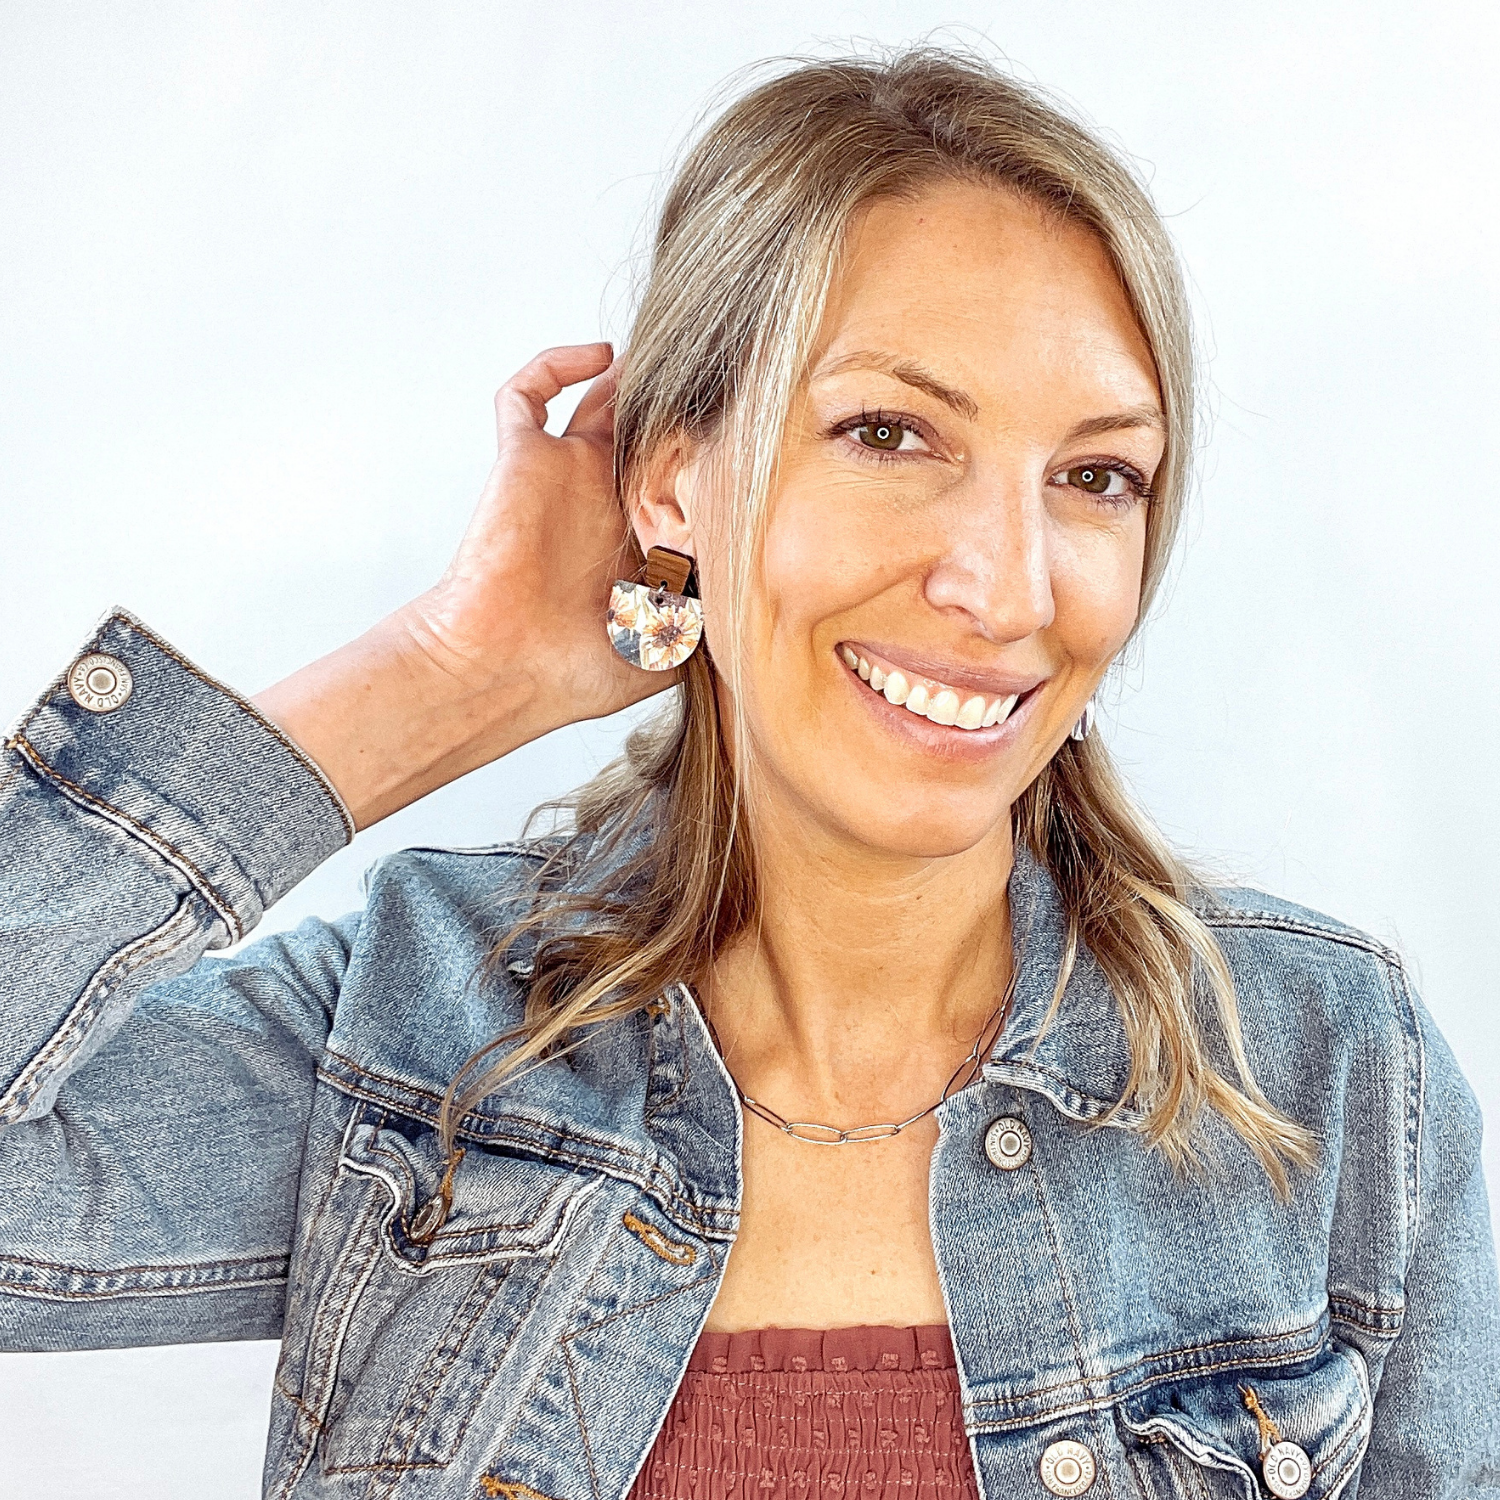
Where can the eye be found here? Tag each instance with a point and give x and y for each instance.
(886, 437)
(1113, 482)
(1097, 480)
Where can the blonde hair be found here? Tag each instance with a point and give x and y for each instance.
(745, 252)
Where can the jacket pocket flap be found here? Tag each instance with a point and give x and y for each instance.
(1232, 1420)
(503, 1204)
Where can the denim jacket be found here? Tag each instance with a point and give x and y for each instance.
(198, 1148)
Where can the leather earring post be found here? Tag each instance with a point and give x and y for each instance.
(656, 624)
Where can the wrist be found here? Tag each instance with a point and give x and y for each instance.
(403, 710)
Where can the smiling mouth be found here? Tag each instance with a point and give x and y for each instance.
(928, 698)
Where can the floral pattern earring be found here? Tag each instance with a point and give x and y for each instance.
(656, 624)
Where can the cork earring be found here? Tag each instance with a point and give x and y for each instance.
(656, 624)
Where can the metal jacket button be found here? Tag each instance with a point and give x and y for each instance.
(1288, 1471)
(1007, 1143)
(99, 683)
(1067, 1468)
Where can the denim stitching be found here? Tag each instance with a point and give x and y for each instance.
(583, 1426)
(247, 708)
(1416, 1099)
(1302, 927)
(113, 972)
(124, 821)
(694, 1217)
(472, 1309)
(325, 1349)
(1247, 1361)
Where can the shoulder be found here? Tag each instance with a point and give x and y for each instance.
(492, 879)
(1323, 1004)
(1285, 924)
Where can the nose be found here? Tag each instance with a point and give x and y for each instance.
(995, 564)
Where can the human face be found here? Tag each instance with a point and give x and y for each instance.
(962, 505)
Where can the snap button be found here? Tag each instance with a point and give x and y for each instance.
(1067, 1468)
(1288, 1471)
(1007, 1143)
(99, 683)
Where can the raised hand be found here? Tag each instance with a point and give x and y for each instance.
(510, 643)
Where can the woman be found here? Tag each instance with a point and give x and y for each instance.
(1135, 1188)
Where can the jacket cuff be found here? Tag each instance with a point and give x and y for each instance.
(185, 765)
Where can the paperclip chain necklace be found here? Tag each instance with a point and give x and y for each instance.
(833, 1135)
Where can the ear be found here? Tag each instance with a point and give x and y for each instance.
(663, 512)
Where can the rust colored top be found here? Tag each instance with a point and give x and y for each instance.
(804, 1414)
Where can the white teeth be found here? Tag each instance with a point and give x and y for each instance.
(999, 711)
(940, 705)
(943, 709)
(970, 714)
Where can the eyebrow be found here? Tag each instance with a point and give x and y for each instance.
(1145, 415)
(909, 372)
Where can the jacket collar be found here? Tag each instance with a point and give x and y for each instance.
(1081, 1060)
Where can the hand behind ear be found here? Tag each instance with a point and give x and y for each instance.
(529, 586)
(511, 643)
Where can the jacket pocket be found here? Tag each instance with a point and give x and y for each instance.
(407, 1335)
(1200, 1438)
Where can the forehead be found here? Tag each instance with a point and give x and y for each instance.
(994, 286)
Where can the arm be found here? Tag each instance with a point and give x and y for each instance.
(1436, 1428)
(153, 1103)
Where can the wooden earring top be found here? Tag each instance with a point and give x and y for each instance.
(667, 569)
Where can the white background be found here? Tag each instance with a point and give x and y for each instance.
(262, 266)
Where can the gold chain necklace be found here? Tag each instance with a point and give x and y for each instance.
(832, 1135)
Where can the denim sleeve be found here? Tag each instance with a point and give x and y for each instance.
(153, 1102)
(1436, 1429)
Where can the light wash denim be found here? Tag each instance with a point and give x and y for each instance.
(199, 1148)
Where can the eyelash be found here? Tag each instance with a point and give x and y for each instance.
(1128, 472)
(1137, 481)
(876, 419)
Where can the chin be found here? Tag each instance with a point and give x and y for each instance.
(934, 827)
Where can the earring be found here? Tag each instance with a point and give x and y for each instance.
(656, 624)
(1085, 725)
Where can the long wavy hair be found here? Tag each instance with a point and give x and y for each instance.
(745, 252)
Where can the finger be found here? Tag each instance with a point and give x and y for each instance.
(594, 415)
(522, 400)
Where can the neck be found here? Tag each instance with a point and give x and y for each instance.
(868, 977)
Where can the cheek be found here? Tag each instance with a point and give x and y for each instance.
(823, 553)
(1096, 588)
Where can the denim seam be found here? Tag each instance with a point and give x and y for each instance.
(316, 1412)
(1345, 937)
(1378, 1320)
(1293, 1356)
(45, 1294)
(122, 820)
(73, 1029)
(399, 1465)
(564, 1217)
(1415, 1101)
(464, 1234)
(244, 705)
(1075, 1331)
(674, 1018)
(653, 1180)
(583, 1426)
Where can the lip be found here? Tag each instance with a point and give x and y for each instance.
(936, 672)
(943, 740)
